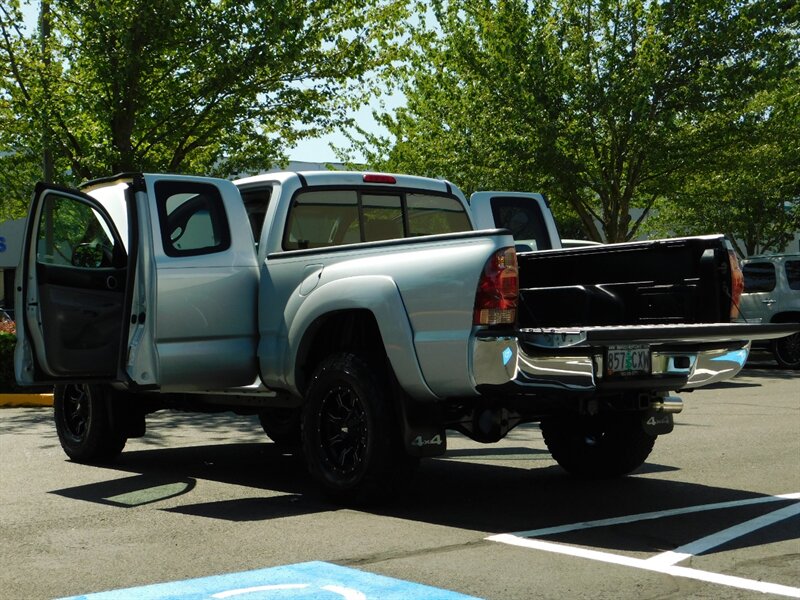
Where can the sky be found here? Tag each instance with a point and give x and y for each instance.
(311, 150)
(319, 149)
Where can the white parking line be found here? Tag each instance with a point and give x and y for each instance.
(660, 514)
(673, 557)
(628, 561)
(666, 562)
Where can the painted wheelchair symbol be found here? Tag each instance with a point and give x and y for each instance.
(337, 591)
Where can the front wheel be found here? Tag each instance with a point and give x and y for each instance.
(350, 439)
(84, 425)
(787, 351)
(598, 446)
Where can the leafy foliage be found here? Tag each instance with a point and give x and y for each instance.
(608, 105)
(194, 86)
(749, 189)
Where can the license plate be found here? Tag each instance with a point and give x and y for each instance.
(627, 360)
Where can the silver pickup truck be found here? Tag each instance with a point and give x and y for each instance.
(361, 316)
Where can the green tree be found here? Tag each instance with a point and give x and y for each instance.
(201, 86)
(607, 105)
(750, 189)
(20, 157)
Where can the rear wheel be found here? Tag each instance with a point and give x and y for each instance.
(349, 435)
(787, 351)
(84, 425)
(599, 446)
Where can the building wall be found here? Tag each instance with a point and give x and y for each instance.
(12, 234)
(11, 237)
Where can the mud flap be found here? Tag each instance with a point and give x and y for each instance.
(424, 442)
(657, 422)
(421, 439)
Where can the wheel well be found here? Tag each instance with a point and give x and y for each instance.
(343, 331)
(786, 317)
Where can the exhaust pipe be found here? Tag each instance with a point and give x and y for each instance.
(667, 404)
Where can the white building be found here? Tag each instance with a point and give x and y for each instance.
(12, 234)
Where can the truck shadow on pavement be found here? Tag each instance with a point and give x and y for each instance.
(462, 490)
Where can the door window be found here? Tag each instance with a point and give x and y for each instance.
(793, 274)
(759, 277)
(192, 217)
(72, 233)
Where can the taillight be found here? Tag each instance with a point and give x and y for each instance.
(498, 288)
(737, 284)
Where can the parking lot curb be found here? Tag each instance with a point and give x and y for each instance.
(25, 400)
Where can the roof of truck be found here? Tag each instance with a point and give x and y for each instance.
(322, 178)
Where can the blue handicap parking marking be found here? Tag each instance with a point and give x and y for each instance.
(303, 581)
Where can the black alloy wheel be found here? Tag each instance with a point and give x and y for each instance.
(82, 415)
(343, 430)
(77, 412)
(350, 439)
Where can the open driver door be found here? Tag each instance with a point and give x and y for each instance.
(74, 290)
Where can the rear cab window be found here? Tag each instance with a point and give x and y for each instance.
(320, 218)
(523, 218)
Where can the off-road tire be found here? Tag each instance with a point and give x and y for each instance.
(351, 440)
(82, 415)
(598, 447)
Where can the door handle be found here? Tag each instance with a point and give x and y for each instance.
(769, 302)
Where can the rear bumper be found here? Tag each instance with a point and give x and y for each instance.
(572, 361)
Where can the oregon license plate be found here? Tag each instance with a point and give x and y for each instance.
(627, 360)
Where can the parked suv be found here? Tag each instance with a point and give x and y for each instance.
(772, 294)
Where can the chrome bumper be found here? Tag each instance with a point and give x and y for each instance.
(500, 361)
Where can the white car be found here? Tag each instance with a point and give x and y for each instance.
(772, 295)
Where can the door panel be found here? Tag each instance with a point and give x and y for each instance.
(81, 330)
(205, 298)
(76, 272)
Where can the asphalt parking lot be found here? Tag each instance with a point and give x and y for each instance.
(715, 512)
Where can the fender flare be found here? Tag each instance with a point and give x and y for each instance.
(377, 294)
